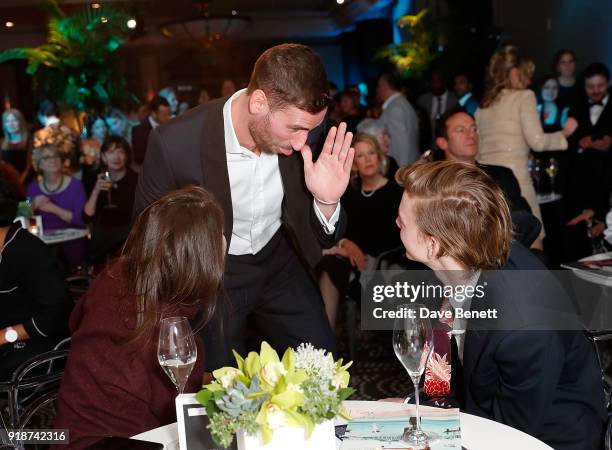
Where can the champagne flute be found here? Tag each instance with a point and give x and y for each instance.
(176, 350)
(551, 170)
(413, 343)
(107, 177)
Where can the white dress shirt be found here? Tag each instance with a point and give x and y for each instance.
(152, 121)
(596, 110)
(257, 192)
(438, 104)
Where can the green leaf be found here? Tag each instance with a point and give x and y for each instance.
(252, 364)
(267, 354)
(345, 393)
(239, 360)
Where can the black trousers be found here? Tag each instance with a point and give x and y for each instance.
(274, 290)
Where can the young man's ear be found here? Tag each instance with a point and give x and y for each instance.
(258, 103)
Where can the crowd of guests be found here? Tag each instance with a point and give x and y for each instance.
(476, 211)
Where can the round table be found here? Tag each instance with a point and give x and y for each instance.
(476, 433)
(64, 235)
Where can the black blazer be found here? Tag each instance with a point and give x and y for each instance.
(508, 183)
(524, 373)
(140, 139)
(190, 150)
(590, 173)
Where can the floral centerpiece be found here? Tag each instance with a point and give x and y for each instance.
(265, 393)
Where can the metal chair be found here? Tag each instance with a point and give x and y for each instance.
(44, 387)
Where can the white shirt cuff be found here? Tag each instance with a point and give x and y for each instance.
(328, 225)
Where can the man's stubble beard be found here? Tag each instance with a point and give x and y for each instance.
(260, 132)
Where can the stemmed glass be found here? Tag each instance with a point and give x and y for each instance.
(413, 343)
(107, 177)
(551, 170)
(176, 350)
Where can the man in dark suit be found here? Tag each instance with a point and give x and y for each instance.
(457, 137)
(521, 357)
(436, 102)
(587, 197)
(280, 207)
(159, 114)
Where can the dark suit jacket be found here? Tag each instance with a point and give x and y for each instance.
(524, 373)
(140, 139)
(508, 183)
(190, 150)
(590, 177)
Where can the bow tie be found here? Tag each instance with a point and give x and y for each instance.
(592, 103)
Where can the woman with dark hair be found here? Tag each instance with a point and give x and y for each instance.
(33, 296)
(564, 64)
(171, 265)
(109, 207)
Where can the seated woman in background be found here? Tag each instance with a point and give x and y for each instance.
(59, 199)
(517, 369)
(111, 221)
(33, 294)
(172, 265)
(371, 203)
(16, 147)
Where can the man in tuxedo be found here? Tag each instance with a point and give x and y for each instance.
(159, 114)
(457, 137)
(280, 206)
(400, 120)
(590, 178)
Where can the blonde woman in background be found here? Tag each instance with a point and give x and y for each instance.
(509, 123)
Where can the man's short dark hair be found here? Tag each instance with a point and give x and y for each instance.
(291, 75)
(393, 80)
(156, 102)
(9, 200)
(597, 68)
(441, 129)
(47, 108)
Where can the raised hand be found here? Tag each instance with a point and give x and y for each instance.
(328, 177)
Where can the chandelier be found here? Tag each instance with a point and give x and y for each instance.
(205, 29)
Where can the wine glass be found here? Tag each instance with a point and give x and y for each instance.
(107, 177)
(176, 350)
(413, 343)
(551, 170)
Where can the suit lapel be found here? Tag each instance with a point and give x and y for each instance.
(215, 174)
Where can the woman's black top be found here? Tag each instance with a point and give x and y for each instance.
(121, 195)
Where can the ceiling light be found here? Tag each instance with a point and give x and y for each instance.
(95, 5)
(9, 24)
(234, 12)
(131, 24)
(103, 19)
(340, 2)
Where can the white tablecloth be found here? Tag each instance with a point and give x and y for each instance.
(476, 433)
(65, 235)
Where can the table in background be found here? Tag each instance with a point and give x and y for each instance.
(476, 433)
(64, 235)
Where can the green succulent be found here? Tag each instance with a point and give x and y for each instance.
(240, 398)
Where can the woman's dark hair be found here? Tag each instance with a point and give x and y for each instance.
(9, 200)
(173, 256)
(117, 141)
(559, 55)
